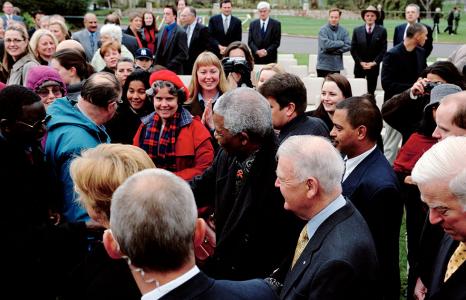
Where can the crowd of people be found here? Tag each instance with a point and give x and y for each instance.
(121, 181)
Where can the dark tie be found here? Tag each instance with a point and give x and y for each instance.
(164, 40)
(263, 30)
(369, 30)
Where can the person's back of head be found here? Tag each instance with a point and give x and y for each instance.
(245, 110)
(459, 102)
(285, 89)
(152, 218)
(100, 89)
(362, 111)
(414, 29)
(112, 18)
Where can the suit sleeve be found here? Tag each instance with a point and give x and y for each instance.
(276, 35)
(182, 54)
(395, 36)
(204, 39)
(428, 46)
(214, 43)
(237, 33)
(354, 47)
(203, 185)
(251, 43)
(390, 74)
(378, 59)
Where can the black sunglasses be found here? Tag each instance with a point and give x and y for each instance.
(37, 124)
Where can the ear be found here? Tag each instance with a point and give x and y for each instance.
(312, 187)
(362, 132)
(244, 137)
(199, 232)
(4, 125)
(73, 71)
(110, 245)
(290, 109)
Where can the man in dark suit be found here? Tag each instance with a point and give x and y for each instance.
(264, 36)
(370, 183)
(127, 40)
(197, 35)
(335, 256)
(368, 47)
(172, 43)
(412, 14)
(9, 14)
(224, 28)
(440, 176)
(89, 36)
(154, 226)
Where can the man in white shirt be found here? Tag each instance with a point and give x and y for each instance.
(369, 182)
(154, 226)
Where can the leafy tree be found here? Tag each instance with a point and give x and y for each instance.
(62, 7)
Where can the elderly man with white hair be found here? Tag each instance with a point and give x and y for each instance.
(441, 177)
(264, 36)
(254, 232)
(335, 256)
(109, 33)
(154, 226)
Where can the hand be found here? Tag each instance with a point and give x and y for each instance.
(207, 118)
(261, 52)
(222, 49)
(418, 87)
(420, 290)
(409, 180)
(233, 79)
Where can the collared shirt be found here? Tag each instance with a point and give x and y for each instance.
(352, 163)
(265, 22)
(371, 27)
(189, 31)
(323, 215)
(202, 101)
(170, 286)
(224, 17)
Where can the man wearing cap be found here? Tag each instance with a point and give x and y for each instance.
(264, 36)
(144, 59)
(198, 37)
(412, 15)
(368, 47)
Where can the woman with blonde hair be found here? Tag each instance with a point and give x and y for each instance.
(43, 44)
(207, 84)
(267, 72)
(96, 174)
(135, 29)
(59, 30)
(18, 57)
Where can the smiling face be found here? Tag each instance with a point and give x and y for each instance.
(330, 96)
(49, 94)
(111, 58)
(208, 77)
(165, 104)
(444, 209)
(56, 31)
(136, 94)
(15, 43)
(46, 47)
(136, 23)
(148, 19)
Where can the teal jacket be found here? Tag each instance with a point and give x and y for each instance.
(70, 132)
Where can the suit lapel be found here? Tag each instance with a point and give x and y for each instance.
(352, 181)
(170, 38)
(305, 260)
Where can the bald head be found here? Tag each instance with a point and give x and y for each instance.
(451, 116)
(90, 22)
(70, 44)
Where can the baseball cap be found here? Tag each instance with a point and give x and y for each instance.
(144, 53)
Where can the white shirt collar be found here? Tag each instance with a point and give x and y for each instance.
(224, 17)
(266, 21)
(352, 163)
(162, 290)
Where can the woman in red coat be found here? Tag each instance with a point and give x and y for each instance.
(173, 138)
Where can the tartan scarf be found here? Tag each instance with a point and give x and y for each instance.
(160, 146)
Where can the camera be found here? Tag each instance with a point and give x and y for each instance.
(429, 86)
(235, 64)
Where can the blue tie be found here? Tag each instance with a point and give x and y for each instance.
(263, 30)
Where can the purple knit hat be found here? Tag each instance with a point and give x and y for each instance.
(39, 75)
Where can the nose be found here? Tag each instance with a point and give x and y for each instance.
(333, 132)
(434, 217)
(436, 133)
(277, 183)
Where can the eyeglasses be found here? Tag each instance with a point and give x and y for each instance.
(37, 124)
(44, 92)
(13, 41)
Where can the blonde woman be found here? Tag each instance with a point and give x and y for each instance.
(267, 72)
(96, 174)
(18, 57)
(43, 44)
(59, 30)
(207, 84)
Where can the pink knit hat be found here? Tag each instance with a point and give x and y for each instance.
(41, 76)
